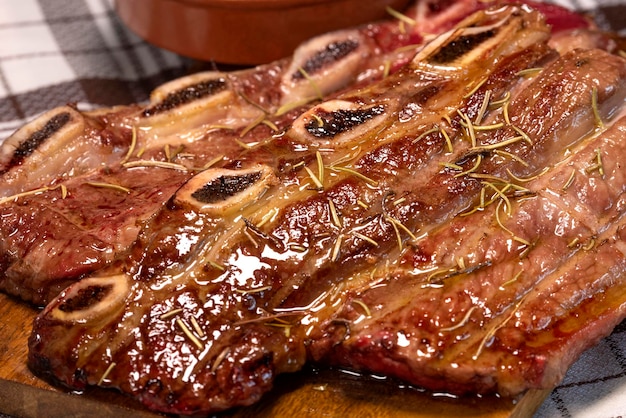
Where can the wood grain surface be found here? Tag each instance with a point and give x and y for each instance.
(310, 393)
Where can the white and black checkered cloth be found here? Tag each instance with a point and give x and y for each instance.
(54, 52)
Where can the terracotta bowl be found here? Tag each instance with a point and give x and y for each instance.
(243, 31)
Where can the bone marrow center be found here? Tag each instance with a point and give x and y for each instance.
(187, 95)
(27, 147)
(333, 52)
(329, 124)
(224, 187)
(86, 298)
(461, 46)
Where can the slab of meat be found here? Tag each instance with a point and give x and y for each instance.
(52, 232)
(504, 296)
(63, 218)
(456, 224)
(76, 186)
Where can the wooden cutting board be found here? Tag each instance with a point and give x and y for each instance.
(311, 393)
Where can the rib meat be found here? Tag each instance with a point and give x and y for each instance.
(52, 232)
(200, 120)
(440, 225)
(500, 298)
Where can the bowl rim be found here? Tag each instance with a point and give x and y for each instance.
(255, 4)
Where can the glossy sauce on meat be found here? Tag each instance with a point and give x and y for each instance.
(412, 226)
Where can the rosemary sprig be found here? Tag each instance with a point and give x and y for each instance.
(256, 122)
(152, 163)
(590, 244)
(495, 329)
(461, 323)
(570, 180)
(441, 274)
(503, 198)
(168, 152)
(363, 306)
(479, 159)
(217, 266)
(426, 133)
(505, 112)
(314, 85)
(497, 145)
(320, 166)
(212, 162)
(346, 158)
(526, 179)
(297, 248)
(245, 145)
(355, 173)
(400, 16)
(270, 124)
(491, 127)
(316, 181)
(365, 238)
(483, 108)
(106, 373)
(529, 72)
(523, 134)
(333, 214)
(595, 109)
(501, 225)
(336, 248)
(108, 186)
(285, 327)
(400, 225)
(573, 243)
(598, 164)
(497, 103)
(475, 88)
(289, 106)
(255, 290)
(31, 193)
(386, 68)
(398, 237)
(447, 138)
(252, 102)
(196, 326)
(131, 148)
(469, 127)
(219, 359)
(189, 334)
(170, 314)
(268, 216)
(512, 156)
(513, 280)
(451, 166)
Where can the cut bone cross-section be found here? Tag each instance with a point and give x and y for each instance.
(218, 191)
(91, 300)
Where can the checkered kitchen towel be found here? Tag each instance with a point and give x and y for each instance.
(57, 51)
(54, 52)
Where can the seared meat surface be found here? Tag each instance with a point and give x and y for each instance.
(503, 294)
(54, 234)
(453, 220)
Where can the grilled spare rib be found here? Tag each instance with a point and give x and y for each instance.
(131, 159)
(457, 225)
(76, 215)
